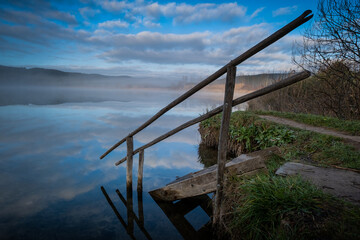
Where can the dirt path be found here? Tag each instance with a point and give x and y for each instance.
(353, 140)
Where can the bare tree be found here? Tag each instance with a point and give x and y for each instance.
(331, 51)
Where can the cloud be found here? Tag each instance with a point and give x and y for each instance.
(186, 13)
(205, 47)
(150, 24)
(114, 24)
(100, 42)
(181, 13)
(114, 6)
(62, 16)
(256, 12)
(284, 11)
(87, 12)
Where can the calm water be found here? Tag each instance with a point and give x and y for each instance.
(51, 175)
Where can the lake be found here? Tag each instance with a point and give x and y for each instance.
(51, 175)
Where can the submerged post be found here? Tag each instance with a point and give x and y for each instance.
(223, 139)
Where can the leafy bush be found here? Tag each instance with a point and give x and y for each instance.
(261, 136)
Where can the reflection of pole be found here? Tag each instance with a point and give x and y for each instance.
(223, 139)
(115, 210)
(129, 207)
(140, 206)
(139, 221)
(140, 170)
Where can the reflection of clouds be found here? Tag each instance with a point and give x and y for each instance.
(51, 153)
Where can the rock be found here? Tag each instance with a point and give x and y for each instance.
(341, 183)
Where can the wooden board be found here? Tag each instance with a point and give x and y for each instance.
(204, 181)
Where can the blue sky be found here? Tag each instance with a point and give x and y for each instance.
(146, 38)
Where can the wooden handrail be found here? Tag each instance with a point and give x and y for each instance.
(252, 51)
(276, 86)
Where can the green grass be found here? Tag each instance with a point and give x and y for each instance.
(267, 206)
(351, 127)
(253, 133)
(322, 150)
(271, 207)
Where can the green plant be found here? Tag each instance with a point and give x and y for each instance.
(272, 207)
(261, 135)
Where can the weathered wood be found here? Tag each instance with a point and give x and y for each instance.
(252, 51)
(129, 157)
(276, 86)
(224, 132)
(140, 170)
(129, 192)
(113, 147)
(204, 181)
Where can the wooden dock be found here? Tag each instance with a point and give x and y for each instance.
(204, 181)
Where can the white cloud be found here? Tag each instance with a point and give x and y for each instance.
(62, 16)
(284, 11)
(87, 12)
(256, 12)
(150, 24)
(180, 13)
(114, 24)
(113, 6)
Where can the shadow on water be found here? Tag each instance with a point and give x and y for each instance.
(175, 212)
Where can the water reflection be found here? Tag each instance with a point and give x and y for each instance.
(50, 174)
(175, 211)
(131, 216)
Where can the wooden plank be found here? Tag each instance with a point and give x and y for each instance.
(224, 133)
(276, 86)
(252, 51)
(204, 181)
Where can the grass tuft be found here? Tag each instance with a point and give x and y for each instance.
(272, 207)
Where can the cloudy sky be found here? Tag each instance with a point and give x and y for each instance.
(146, 38)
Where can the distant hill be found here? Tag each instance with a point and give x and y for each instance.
(51, 77)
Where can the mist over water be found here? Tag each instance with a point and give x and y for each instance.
(50, 173)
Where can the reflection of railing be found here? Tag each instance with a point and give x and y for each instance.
(230, 69)
(175, 211)
(131, 216)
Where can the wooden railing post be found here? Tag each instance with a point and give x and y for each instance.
(129, 157)
(224, 133)
(140, 170)
(129, 192)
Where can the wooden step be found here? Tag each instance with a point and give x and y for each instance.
(204, 181)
